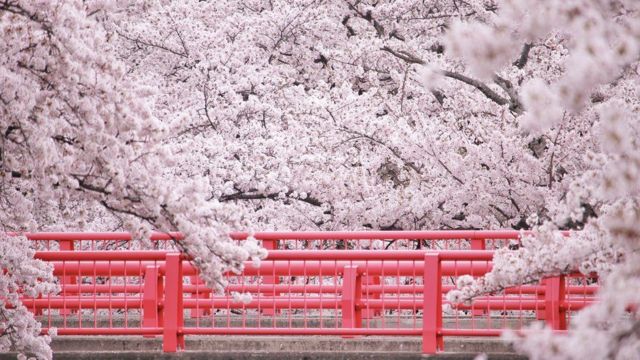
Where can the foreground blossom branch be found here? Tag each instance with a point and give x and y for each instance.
(23, 275)
(206, 117)
(75, 131)
(609, 244)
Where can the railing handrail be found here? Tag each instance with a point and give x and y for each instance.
(297, 255)
(301, 235)
(162, 294)
(100, 255)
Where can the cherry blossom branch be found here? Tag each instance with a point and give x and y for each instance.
(614, 349)
(524, 56)
(553, 153)
(205, 94)
(368, 16)
(272, 196)
(393, 151)
(482, 87)
(139, 41)
(514, 102)
(403, 55)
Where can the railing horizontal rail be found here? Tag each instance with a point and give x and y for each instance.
(479, 255)
(85, 303)
(302, 331)
(299, 235)
(134, 255)
(311, 289)
(348, 289)
(282, 267)
(106, 331)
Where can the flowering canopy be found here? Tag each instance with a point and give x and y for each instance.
(208, 116)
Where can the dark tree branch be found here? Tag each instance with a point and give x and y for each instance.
(350, 31)
(403, 55)
(393, 151)
(446, 168)
(514, 102)
(502, 212)
(553, 153)
(205, 94)
(524, 56)
(149, 219)
(369, 17)
(438, 95)
(484, 89)
(273, 196)
(139, 42)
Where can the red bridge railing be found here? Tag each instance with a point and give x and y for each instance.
(315, 290)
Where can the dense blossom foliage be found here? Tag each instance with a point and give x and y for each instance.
(205, 116)
(315, 114)
(603, 45)
(78, 134)
(22, 275)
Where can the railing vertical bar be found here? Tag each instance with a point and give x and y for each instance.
(432, 305)
(173, 338)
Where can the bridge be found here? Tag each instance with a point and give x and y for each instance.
(350, 285)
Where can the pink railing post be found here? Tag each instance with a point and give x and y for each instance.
(556, 314)
(351, 294)
(432, 340)
(270, 279)
(173, 338)
(153, 289)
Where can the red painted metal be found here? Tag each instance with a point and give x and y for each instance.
(475, 236)
(432, 341)
(265, 289)
(173, 338)
(152, 298)
(296, 235)
(197, 285)
(478, 244)
(555, 295)
(268, 280)
(106, 331)
(67, 245)
(303, 331)
(351, 294)
(346, 290)
(144, 255)
(373, 290)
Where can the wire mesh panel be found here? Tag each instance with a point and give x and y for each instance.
(319, 292)
(102, 292)
(511, 308)
(579, 292)
(388, 240)
(338, 283)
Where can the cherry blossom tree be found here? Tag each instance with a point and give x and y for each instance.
(598, 86)
(452, 114)
(76, 130)
(208, 116)
(315, 114)
(22, 275)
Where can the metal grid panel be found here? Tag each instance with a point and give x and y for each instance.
(323, 283)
